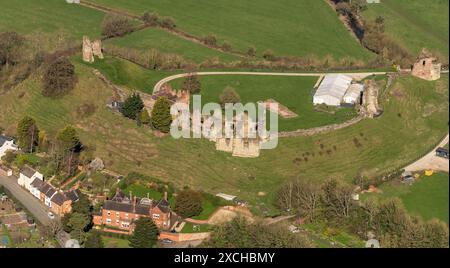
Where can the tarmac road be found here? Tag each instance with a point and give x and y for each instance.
(30, 202)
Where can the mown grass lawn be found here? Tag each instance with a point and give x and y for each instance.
(288, 27)
(112, 242)
(296, 93)
(427, 197)
(50, 16)
(415, 24)
(189, 228)
(156, 38)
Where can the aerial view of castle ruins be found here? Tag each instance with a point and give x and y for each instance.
(224, 124)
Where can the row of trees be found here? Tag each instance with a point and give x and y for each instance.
(64, 149)
(239, 233)
(157, 60)
(332, 202)
(154, 19)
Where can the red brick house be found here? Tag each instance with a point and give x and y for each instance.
(121, 211)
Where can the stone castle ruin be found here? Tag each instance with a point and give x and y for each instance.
(91, 49)
(245, 146)
(426, 67)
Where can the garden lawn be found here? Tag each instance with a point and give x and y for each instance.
(50, 16)
(161, 40)
(427, 197)
(415, 24)
(112, 242)
(189, 228)
(288, 27)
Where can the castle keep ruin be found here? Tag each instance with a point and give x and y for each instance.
(426, 67)
(91, 49)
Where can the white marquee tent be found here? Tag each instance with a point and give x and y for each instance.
(332, 89)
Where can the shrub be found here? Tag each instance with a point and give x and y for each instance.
(168, 22)
(229, 95)
(161, 117)
(151, 19)
(269, 55)
(59, 78)
(251, 52)
(188, 203)
(116, 25)
(226, 46)
(210, 40)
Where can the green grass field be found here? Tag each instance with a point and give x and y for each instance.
(415, 117)
(126, 74)
(50, 16)
(288, 27)
(415, 23)
(156, 38)
(427, 197)
(112, 242)
(296, 93)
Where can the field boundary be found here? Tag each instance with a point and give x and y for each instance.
(176, 32)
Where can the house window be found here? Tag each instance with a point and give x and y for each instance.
(155, 216)
(108, 221)
(126, 215)
(117, 221)
(109, 213)
(125, 225)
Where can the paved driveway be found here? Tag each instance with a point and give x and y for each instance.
(31, 203)
(431, 161)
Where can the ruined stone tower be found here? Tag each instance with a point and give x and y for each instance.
(91, 49)
(426, 67)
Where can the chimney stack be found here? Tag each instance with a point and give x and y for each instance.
(165, 195)
(134, 204)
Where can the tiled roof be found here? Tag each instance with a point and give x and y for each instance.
(58, 199)
(27, 171)
(73, 195)
(4, 139)
(37, 183)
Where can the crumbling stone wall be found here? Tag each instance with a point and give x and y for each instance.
(91, 49)
(426, 67)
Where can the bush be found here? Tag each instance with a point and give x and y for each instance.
(168, 22)
(59, 78)
(229, 95)
(251, 52)
(227, 46)
(132, 106)
(161, 117)
(151, 19)
(188, 203)
(269, 55)
(116, 25)
(210, 40)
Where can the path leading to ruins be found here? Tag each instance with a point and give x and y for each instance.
(177, 76)
(431, 161)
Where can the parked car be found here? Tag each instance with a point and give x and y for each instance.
(166, 241)
(51, 215)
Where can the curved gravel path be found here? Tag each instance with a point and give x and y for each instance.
(158, 85)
